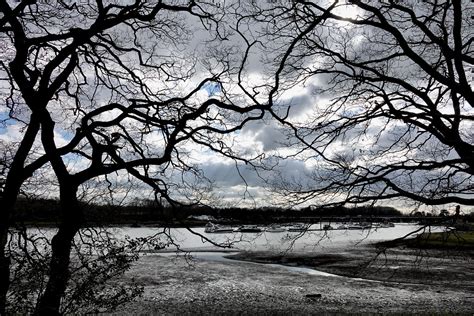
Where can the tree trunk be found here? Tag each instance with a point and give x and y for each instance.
(4, 267)
(50, 301)
(15, 178)
(7, 201)
(4, 259)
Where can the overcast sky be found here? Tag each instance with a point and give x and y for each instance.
(236, 182)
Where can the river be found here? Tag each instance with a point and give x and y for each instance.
(274, 241)
(194, 240)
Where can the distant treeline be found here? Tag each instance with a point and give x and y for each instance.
(281, 215)
(47, 211)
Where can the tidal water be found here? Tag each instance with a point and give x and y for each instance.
(195, 240)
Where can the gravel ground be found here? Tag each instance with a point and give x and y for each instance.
(202, 287)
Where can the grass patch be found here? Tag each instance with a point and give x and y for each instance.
(454, 239)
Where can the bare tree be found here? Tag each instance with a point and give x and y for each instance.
(116, 81)
(392, 114)
(97, 259)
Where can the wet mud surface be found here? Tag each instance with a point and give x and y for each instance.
(396, 282)
(449, 269)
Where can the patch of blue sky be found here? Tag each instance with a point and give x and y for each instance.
(212, 88)
(66, 135)
(5, 121)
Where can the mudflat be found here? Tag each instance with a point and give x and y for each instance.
(360, 281)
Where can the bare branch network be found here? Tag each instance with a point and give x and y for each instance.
(373, 100)
(394, 99)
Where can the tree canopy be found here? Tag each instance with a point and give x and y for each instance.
(391, 115)
(373, 101)
(102, 92)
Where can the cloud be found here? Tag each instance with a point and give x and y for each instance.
(229, 175)
(230, 181)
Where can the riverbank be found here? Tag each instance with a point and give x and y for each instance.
(176, 285)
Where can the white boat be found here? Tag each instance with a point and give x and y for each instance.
(298, 228)
(216, 228)
(249, 229)
(275, 229)
(360, 226)
(343, 226)
(354, 226)
(383, 225)
(387, 225)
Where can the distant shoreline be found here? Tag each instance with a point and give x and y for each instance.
(227, 222)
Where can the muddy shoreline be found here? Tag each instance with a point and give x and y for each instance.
(442, 267)
(437, 283)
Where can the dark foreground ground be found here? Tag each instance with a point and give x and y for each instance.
(399, 281)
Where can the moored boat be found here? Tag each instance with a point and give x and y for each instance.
(385, 224)
(360, 226)
(354, 226)
(298, 228)
(249, 229)
(275, 229)
(216, 228)
(343, 226)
